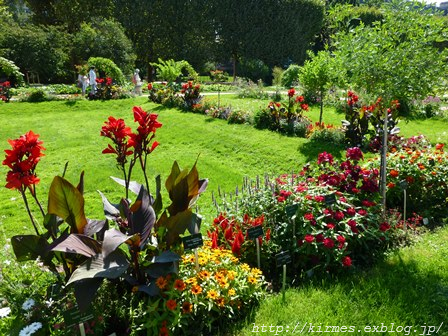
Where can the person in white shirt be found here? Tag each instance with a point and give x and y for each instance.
(137, 82)
(92, 80)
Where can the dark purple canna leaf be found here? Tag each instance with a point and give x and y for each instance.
(77, 244)
(111, 267)
(94, 226)
(143, 216)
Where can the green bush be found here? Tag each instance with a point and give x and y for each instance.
(290, 76)
(37, 96)
(107, 68)
(254, 69)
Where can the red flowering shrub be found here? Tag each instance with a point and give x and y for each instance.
(191, 94)
(231, 233)
(286, 117)
(328, 216)
(5, 93)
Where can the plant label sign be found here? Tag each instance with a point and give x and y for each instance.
(403, 184)
(74, 316)
(330, 199)
(291, 210)
(255, 232)
(425, 221)
(283, 258)
(193, 241)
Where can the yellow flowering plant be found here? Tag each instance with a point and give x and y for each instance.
(216, 295)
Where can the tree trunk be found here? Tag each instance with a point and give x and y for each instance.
(321, 107)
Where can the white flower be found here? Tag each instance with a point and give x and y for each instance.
(49, 302)
(13, 199)
(31, 329)
(28, 304)
(7, 262)
(5, 312)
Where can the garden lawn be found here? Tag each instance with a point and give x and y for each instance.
(71, 133)
(410, 288)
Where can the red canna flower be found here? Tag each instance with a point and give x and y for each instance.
(22, 159)
(119, 133)
(291, 92)
(149, 86)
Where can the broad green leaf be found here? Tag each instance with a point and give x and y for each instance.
(65, 201)
(98, 267)
(29, 247)
(176, 225)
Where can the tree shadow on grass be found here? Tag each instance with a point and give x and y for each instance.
(71, 103)
(401, 289)
(311, 149)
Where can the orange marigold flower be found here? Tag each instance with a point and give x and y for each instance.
(179, 285)
(164, 331)
(440, 146)
(161, 282)
(390, 185)
(171, 304)
(220, 301)
(204, 274)
(421, 166)
(252, 280)
(196, 289)
(187, 307)
(394, 173)
(220, 276)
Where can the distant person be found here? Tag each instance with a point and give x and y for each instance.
(136, 80)
(84, 84)
(92, 80)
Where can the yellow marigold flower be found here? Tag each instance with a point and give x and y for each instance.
(202, 261)
(252, 280)
(135, 289)
(196, 289)
(255, 271)
(234, 259)
(245, 267)
(231, 275)
(191, 281)
(179, 285)
(212, 294)
(223, 283)
(161, 282)
(232, 292)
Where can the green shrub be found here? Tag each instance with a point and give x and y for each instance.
(237, 116)
(290, 76)
(107, 68)
(277, 73)
(37, 96)
(254, 69)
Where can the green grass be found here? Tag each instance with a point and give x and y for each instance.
(410, 288)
